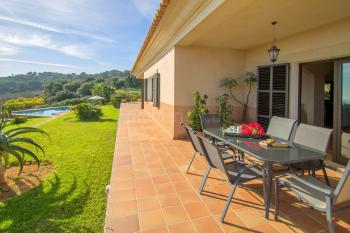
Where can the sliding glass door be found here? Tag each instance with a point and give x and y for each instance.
(343, 118)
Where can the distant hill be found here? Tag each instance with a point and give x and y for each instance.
(32, 83)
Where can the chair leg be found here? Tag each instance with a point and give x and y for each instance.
(277, 198)
(205, 177)
(228, 202)
(189, 165)
(313, 173)
(325, 176)
(329, 215)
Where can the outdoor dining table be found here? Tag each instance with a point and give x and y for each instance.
(268, 156)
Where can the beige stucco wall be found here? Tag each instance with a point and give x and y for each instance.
(327, 42)
(165, 67)
(164, 115)
(202, 68)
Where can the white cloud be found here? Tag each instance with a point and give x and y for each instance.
(8, 50)
(146, 7)
(79, 51)
(56, 30)
(45, 41)
(38, 63)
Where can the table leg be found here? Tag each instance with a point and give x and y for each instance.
(267, 188)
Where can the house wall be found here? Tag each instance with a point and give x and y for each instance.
(327, 42)
(202, 68)
(164, 115)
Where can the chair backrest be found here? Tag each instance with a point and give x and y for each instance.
(281, 127)
(342, 191)
(212, 154)
(314, 137)
(210, 120)
(194, 139)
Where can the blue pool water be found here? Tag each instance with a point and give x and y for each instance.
(41, 112)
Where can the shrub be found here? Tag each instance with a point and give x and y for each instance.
(118, 96)
(134, 96)
(87, 112)
(19, 120)
(23, 103)
(198, 108)
(116, 100)
(69, 102)
(225, 110)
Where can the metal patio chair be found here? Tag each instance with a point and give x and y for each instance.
(281, 127)
(316, 138)
(237, 171)
(197, 146)
(212, 120)
(317, 194)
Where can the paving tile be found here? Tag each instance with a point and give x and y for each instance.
(197, 210)
(151, 219)
(306, 223)
(188, 197)
(181, 186)
(122, 209)
(148, 203)
(143, 192)
(249, 217)
(169, 200)
(164, 188)
(127, 224)
(185, 227)
(161, 229)
(207, 225)
(175, 214)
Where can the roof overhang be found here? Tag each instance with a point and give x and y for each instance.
(239, 24)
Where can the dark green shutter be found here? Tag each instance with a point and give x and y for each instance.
(145, 90)
(156, 90)
(272, 93)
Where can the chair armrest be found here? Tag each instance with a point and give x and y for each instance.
(334, 166)
(311, 185)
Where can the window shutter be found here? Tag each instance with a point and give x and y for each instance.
(272, 96)
(145, 89)
(156, 90)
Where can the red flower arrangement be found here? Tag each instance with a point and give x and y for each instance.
(253, 128)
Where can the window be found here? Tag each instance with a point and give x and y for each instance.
(272, 93)
(152, 89)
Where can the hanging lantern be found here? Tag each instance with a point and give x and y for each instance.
(273, 51)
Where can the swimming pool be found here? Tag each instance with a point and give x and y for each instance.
(42, 112)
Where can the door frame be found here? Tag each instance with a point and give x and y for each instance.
(337, 120)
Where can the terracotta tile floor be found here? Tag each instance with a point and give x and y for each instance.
(151, 192)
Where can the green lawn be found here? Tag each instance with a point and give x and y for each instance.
(72, 198)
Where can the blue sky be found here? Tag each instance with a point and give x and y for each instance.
(72, 35)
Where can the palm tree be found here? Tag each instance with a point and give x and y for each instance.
(14, 142)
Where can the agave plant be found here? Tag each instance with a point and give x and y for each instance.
(15, 142)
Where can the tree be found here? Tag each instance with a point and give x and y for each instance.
(230, 84)
(103, 90)
(85, 89)
(71, 86)
(63, 95)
